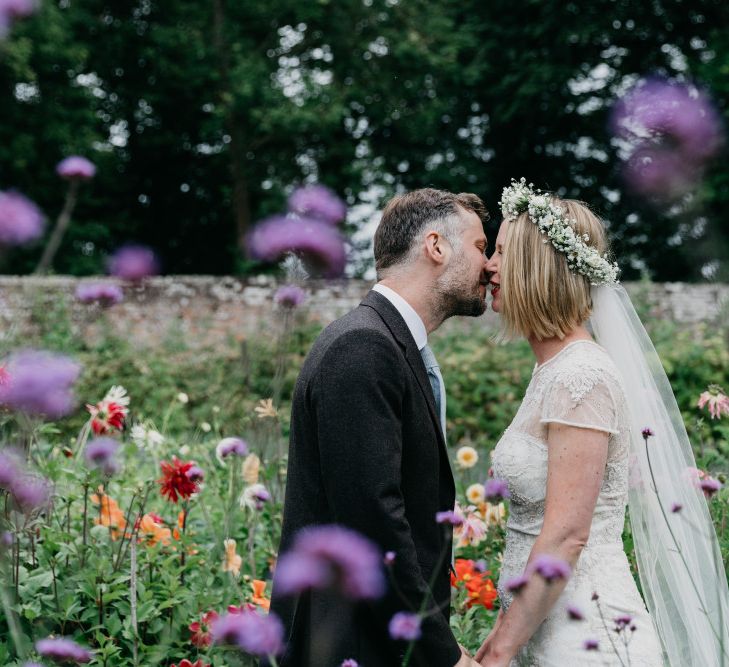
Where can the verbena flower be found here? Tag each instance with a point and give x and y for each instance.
(289, 296)
(133, 262)
(318, 202)
(575, 613)
(250, 632)
(349, 662)
(467, 457)
(21, 221)
(254, 497)
(550, 568)
(449, 517)
(61, 649)
(109, 413)
(41, 383)
(710, 486)
(76, 168)
(647, 433)
(389, 558)
(200, 630)
(331, 557)
(319, 243)
(101, 453)
(621, 622)
(405, 625)
(591, 645)
(717, 401)
(105, 294)
(12, 10)
(676, 507)
(174, 482)
(516, 584)
(496, 490)
(230, 447)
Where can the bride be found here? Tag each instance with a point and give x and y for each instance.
(598, 429)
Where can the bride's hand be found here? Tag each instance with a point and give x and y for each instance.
(487, 656)
(484, 647)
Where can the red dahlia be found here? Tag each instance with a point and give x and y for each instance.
(174, 481)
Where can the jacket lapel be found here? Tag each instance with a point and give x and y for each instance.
(396, 324)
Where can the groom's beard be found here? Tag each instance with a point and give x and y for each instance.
(459, 293)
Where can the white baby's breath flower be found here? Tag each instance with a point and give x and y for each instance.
(183, 397)
(205, 427)
(467, 457)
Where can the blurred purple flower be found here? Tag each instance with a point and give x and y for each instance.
(575, 613)
(647, 433)
(32, 664)
(318, 202)
(550, 567)
(676, 507)
(76, 168)
(40, 383)
(101, 453)
(10, 468)
(133, 262)
(516, 584)
(105, 294)
(389, 558)
(710, 486)
(195, 474)
(289, 296)
(673, 129)
(11, 10)
(229, 446)
(6, 539)
(331, 557)
(622, 621)
(405, 625)
(590, 645)
(318, 243)
(254, 633)
(255, 497)
(349, 662)
(21, 221)
(449, 517)
(496, 490)
(30, 492)
(62, 650)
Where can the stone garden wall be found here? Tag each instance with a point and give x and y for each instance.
(214, 310)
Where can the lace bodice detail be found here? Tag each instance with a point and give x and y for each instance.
(580, 387)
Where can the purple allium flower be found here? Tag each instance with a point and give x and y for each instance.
(647, 433)
(11, 10)
(195, 474)
(515, 584)
(133, 262)
(673, 128)
(254, 633)
(575, 613)
(21, 221)
(319, 243)
(349, 662)
(318, 202)
(40, 383)
(101, 451)
(676, 507)
(30, 492)
(231, 446)
(405, 625)
(76, 168)
(289, 296)
(710, 486)
(550, 567)
(591, 645)
(105, 294)
(62, 650)
(496, 490)
(449, 517)
(389, 558)
(331, 557)
(255, 497)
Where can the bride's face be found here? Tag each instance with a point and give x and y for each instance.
(493, 266)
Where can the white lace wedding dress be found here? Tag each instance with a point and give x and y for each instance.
(581, 387)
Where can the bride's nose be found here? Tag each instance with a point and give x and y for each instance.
(492, 263)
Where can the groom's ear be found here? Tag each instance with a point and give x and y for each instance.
(436, 247)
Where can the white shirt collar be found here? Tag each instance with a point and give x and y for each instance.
(412, 319)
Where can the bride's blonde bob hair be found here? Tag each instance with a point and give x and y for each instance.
(540, 296)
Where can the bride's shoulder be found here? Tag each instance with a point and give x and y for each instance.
(585, 358)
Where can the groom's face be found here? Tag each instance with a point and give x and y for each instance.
(463, 285)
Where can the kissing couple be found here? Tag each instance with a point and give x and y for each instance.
(598, 431)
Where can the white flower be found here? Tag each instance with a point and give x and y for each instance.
(205, 427)
(146, 438)
(467, 457)
(475, 494)
(183, 397)
(254, 497)
(117, 394)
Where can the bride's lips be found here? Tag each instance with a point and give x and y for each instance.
(495, 289)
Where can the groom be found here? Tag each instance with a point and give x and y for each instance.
(367, 446)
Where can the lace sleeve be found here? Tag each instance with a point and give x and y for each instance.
(584, 398)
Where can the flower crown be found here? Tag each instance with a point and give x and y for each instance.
(551, 219)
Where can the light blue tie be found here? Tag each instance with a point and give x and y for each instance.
(436, 384)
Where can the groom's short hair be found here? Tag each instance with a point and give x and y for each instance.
(407, 215)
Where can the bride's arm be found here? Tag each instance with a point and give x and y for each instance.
(576, 464)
